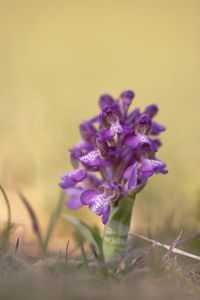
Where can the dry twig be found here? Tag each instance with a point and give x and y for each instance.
(169, 248)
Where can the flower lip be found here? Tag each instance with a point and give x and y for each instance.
(97, 203)
(99, 200)
(91, 159)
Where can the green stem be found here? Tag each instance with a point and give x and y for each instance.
(117, 228)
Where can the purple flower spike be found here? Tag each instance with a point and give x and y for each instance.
(116, 156)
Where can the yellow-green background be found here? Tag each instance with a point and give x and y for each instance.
(56, 57)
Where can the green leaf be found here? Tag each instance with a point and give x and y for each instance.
(84, 231)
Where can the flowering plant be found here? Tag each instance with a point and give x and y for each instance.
(113, 163)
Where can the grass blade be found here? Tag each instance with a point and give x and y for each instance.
(66, 252)
(52, 222)
(8, 225)
(7, 204)
(34, 220)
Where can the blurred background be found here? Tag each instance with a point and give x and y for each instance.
(57, 57)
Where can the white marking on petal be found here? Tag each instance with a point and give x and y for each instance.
(91, 156)
(71, 174)
(155, 163)
(143, 138)
(100, 204)
(116, 128)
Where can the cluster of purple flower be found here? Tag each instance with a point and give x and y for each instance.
(115, 157)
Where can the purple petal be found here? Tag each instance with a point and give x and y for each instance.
(79, 175)
(151, 110)
(131, 117)
(88, 197)
(91, 159)
(157, 128)
(151, 166)
(92, 181)
(157, 143)
(87, 130)
(127, 95)
(128, 172)
(138, 141)
(127, 129)
(74, 201)
(105, 215)
(95, 119)
(106, 101)
(78, 151)
(83, 145)
(132, 180)
(70, 179)
(67, 183)
(109, 133)
(125, 101)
